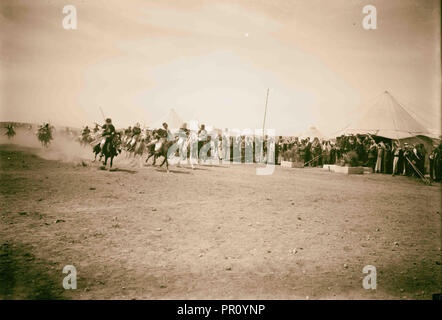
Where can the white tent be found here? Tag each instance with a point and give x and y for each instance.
(386, 118)
(173, 120)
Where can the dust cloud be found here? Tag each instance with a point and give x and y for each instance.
(65, 148)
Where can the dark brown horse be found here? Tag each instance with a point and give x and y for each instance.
(96, 151)
(162, 151)
(111, 149)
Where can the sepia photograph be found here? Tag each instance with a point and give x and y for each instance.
(230, 150)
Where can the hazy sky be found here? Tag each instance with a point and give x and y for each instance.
(214, 60)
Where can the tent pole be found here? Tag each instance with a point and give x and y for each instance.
(265, 113)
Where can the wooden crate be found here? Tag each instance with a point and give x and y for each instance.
(329, 167)
(287, 164)
(290, 164)
(349, 170)
(368, 170)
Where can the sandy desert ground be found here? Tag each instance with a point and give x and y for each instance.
(217, 232)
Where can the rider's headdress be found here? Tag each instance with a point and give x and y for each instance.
(108, 120)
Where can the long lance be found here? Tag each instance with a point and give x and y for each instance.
(312, 160)
(102, 113)
(425, 180)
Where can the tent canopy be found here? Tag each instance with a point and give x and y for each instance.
(312, 132)
(171, 118)
(386, 118)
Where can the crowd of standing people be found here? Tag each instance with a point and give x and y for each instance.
(380, 154)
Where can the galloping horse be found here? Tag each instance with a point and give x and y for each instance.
(10, 132)
(96, 149)
(140, 145)
(110, 149)
(160, 149)
(85, 139)
(44, 134)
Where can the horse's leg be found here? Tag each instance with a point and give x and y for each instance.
(111, 162)
(140, 162)
(191, 158)
(148, 157)
(165, 160)
(135, 158)
(134, 151)
(151, 154)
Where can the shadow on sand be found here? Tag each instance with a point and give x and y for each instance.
(23, 276)
(117, 170)
(172, 171)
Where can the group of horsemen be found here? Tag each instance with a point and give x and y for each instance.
(129, 138)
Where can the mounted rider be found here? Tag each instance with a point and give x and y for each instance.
(136, 131)
(107, 134)
(86, 135)
(160, 136)
(86, 131)
(128, 131)
(97, 128)
(44, 134)
(127, 135)
(10, 132)
(164, 132)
